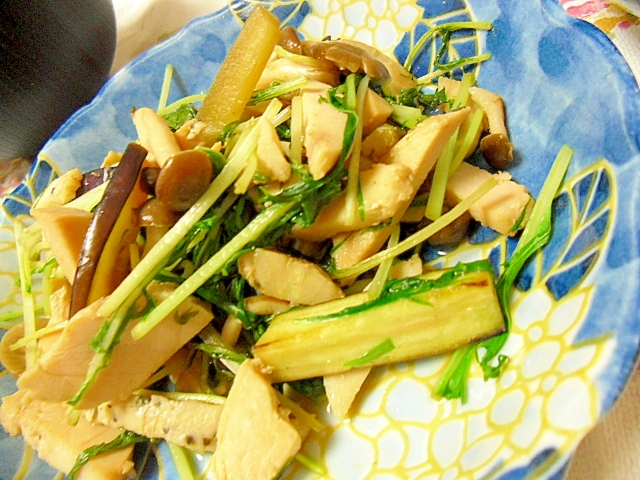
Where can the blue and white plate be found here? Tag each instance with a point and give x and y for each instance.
(576, 330)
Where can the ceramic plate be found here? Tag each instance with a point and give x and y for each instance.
(576, 331)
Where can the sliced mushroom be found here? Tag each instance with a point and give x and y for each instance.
(496, 147)
(148, 179)
(157, 218)
(452, 234)
(497, 150)
(290, 41)
(183, 179)
(358, 57)
(156, 213)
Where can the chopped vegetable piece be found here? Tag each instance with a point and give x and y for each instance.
(324, 129)
(239, 73)
(99, 270)
(422, 316)
(155, 135)
(341, 389)
(385, 190)
(504, 207)
(61, 190)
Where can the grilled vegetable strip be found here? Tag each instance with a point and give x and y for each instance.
(413, 318)
(99, 266)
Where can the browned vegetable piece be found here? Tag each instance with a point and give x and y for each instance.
(437, 320)
(290, 41)
(111, 221)
(453, 233)
(94, 178)
(496, 147)
(155, 213)
(497, 150)
(239, 73)
(157, 218)
(358, 57)
(148, 179)
(183, 179)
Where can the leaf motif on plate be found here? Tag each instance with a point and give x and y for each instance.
(19, 202)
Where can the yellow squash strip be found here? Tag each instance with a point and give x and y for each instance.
(239, 73)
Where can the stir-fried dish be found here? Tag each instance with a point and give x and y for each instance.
(259, 245)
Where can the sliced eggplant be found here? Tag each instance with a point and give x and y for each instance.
(95, 178)
(115, 207)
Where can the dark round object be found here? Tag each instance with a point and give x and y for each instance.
(54, 57)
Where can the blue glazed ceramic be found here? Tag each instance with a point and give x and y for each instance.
(576, 332)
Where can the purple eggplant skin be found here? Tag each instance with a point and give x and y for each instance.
(94, 178)
(122, 183)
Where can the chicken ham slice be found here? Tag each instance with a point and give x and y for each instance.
(61, 371)
(189, 423)
(256, 439)
(46, 428)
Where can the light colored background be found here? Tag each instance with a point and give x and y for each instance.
(612, 450)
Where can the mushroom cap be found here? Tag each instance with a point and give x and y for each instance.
(290, 41)
(155, 213)
(183, 179)
(497, 150)
(357, 57)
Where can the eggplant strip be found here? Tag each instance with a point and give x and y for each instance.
(108, 211)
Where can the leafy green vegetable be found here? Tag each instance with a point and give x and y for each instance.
(181, 115)
(407, 117)
(218, 351)
(276, 90)
(312, 388)
(443, 31)
(125, 439)
(416, 97)
(376, 352)
(536, 234)
(284, 131)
